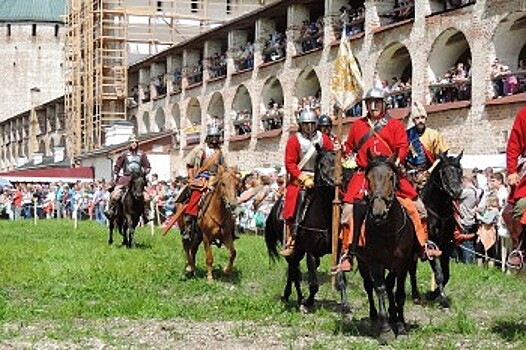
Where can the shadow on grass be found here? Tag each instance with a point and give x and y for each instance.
(217, 273)
(141, 245)
(510, 330)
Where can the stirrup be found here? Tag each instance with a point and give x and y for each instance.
(519, 254)
(431, 246)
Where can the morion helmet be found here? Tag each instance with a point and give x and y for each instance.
(213, 131)
(324, 120)
(133, 138)
(307, 116)
(374, 94)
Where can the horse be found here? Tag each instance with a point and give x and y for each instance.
(443, 187)
(314, 235)
(215, 223)
(390, 244)
(129, 211)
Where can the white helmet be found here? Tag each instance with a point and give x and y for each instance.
(374, 94)
(213, 130)
(307, 116)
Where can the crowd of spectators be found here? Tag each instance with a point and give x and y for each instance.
(159, 84)
(177, 80)
(242, 122)
(311, 102)
(311, 35)
(454, 86)
(88, 201)
(403, 9)
(275, 47)
(244, 57)
(353, 18)
(505, 81)
(482, 201)
(398, 92)
(217, 65)
(273, 117)
(194, 74)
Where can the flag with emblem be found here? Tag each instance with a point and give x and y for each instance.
(346, 83)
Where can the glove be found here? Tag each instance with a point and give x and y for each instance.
(306, 180)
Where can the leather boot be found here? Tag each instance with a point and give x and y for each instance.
(290, 241)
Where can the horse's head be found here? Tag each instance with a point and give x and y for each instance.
(381, 173)
(324, 174)
(137, 185)
(227, 187)
(448, 174)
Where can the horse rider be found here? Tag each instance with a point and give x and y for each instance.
(300, 163)
(515, 150)
(203, 165)
(376, 134)
(133, 161)
(325, 126)
(425, 144)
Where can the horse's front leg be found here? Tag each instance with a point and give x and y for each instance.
(209, 259)
(400, 301)
(439, 293)
(377, 275)
(111, 227)
(312, 265)
(415, 293)
(229, 243)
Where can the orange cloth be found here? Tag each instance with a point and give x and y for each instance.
(421, 230)
(523, 218)
(346, 234)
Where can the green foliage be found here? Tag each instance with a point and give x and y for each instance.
(52, 273)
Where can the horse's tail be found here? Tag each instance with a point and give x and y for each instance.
(273, 232)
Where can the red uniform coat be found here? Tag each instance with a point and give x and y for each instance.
(393, 134)
(292, 158)
(516, 148)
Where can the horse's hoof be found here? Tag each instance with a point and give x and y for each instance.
(304, 309)
(444, 304)
(210, 279)
(386, 335)
(227, 271)
(431, 296)
(401, 331)
(417, 298)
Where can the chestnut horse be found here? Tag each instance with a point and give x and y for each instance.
(215, 222)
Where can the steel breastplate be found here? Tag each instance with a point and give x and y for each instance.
(133, 164)
(305, 145)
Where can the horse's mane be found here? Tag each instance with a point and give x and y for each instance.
(380, 160)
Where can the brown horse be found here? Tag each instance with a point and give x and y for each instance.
(215, 223)
(390, 244)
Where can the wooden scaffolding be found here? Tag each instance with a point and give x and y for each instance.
(98, 36)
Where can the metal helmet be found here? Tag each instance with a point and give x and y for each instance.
(324, 120)
(213, 130)
(374, 94)
(307, 116)
(133, 138)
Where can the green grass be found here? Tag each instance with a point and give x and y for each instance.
(52, 274)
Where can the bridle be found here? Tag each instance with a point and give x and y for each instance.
(442, 183)
(388, 200)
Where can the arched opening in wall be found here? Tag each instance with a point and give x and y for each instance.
(450, 68)
(193, 113)
(160, 120)
(146, 122)
(307, 92)
(175, 123)
(508, 70)
(215, 113)
(395, 71)
(242, 107)
(310, 36)
(272, 104)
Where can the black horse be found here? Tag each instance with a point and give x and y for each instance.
(443, 187)
(390, 244)
(129, 211)
(314, 236)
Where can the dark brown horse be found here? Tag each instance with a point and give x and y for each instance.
(129, 211)
(390, 244)
(443, 187)
(215, 223)
(314, 237)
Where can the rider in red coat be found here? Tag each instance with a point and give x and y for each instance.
(376, 134)
(300, 163)
(517, 148)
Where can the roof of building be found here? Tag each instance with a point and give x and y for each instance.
(32, 10)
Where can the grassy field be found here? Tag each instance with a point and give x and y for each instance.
(67, 288)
